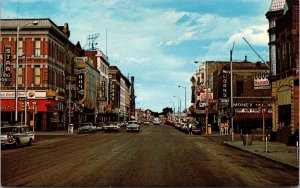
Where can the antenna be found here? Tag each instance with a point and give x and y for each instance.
(90, 41)
(256, 52)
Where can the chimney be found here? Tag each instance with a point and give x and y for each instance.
(245, 58)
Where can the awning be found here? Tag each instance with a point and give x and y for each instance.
(252, 116)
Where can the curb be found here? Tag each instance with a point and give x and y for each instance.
(262, 156)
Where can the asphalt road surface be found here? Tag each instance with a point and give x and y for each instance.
(158, 156)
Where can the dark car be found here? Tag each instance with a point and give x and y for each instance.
(196, 130)
(132, 127)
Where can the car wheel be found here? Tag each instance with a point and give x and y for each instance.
(29, 142)
(17, 142)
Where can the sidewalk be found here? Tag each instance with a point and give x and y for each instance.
(52, 133)
(275, 151)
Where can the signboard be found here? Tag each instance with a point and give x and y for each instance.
(202, 96)
(225, 84)
(6, 73)
(261, 81)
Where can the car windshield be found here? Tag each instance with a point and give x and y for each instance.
(84, 124)
(13, 129)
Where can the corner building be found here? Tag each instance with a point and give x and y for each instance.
(46, 54)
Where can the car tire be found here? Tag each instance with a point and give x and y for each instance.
(17, 142)
(29, 142)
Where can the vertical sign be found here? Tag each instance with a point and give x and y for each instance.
(6, 76)
(103, 94)
(80, 85)
(225, 84)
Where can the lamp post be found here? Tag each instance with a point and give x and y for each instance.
(177, 105)
(17, 66)
(231, 93)
(184, 96)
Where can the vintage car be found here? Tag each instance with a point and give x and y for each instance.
(111, 127)
(16, 135)
(196, 130)
(132, 126)
(86, 128)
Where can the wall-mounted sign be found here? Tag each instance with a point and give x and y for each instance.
(261, 81)
(225, 84)
(6, 73)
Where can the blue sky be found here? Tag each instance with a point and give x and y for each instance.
(157, 41)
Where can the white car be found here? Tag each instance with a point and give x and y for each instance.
(111, 127)
(16, 135)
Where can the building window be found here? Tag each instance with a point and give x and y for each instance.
(37, 47)
(20, 48)
(37, 75)
(20, 76)
(239, 88)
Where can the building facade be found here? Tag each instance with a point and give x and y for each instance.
(102, 64)
(251, 95)
(285, 81)
(44, 56)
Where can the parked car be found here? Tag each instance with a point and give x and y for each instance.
(146, 122)
(123, 124)
(99, 126)
(111, 127)
(132, 126)
(86, 128)
(177, 125)
(16, 135)
(184, 127)
(196, 130)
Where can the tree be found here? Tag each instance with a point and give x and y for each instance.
(166, 111)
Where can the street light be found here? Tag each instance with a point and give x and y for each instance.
(184, 96)
(17, 66)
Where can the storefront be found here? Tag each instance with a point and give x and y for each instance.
(45, 114)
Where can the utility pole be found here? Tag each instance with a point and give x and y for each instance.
(231, 93)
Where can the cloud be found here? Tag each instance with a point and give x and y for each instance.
(155, 43)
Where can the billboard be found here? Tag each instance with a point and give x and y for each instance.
(261, 81)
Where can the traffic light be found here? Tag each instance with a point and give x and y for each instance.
(22, 105)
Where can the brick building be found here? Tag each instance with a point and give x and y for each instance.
(285, 80)
(251, 92)
(46, 56)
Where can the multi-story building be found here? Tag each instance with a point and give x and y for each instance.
(45, 53)
(124, 98)
(285, 77)
(251, 92)
(102, 64)
(88, 78)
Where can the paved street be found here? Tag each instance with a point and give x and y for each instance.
(157, 156)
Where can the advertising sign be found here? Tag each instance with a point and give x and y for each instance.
(6, 73)
(261, 81)
(225, 84)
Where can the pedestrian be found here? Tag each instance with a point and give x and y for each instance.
(226, 127)
(221, 127)
(190, 129)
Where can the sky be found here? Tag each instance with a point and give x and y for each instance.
(157, 41)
